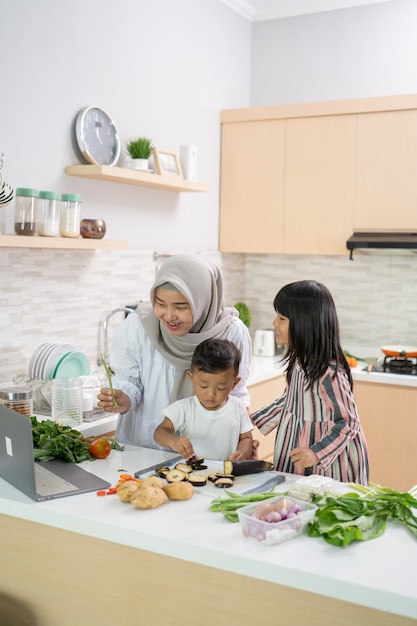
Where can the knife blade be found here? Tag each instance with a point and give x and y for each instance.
(158, 466)
(271, 482)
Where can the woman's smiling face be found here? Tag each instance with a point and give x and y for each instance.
(173, 311)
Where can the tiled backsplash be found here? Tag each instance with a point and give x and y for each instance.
(64, 296)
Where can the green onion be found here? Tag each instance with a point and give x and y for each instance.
(228, 506)
(108, 374)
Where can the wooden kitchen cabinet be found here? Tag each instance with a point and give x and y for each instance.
(319, 183)
(262, 394)
(386, 181)
(389, 421)
(251, 192)
(318, 171)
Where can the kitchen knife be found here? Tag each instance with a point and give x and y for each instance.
(267, 484)
(158, 466)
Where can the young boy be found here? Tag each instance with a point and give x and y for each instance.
(211, 424)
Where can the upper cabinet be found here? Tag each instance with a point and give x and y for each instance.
(386, 180)
(300, 178)
(252, 186)
(319, 174)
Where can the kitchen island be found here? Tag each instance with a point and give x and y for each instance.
(94, 560)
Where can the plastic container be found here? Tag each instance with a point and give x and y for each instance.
(70, 215)
(25, 211)
(20, 399)
(270, 532)
(67, 401)
(48, 219)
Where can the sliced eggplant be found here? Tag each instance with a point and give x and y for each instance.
(195, 461)
(224, 483)
(162, 472)
(175, 476)
(212, 477)
(184, 467)
(241, 468)
(197, 480)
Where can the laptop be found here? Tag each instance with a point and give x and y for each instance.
(39, 481)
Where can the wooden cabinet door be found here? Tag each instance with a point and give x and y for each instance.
(389, 421)
(386, 166)
(262, 394)
(319, 184)
(251, 194)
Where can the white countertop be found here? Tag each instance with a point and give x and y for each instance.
(264, 368)
(189, 531)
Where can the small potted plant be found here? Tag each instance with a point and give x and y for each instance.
(140, 150)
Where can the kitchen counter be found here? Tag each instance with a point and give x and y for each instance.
(176, 547)
(265, 368)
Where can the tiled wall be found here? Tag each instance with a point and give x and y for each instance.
(64, 296)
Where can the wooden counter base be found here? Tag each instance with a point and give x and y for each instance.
(67, 578)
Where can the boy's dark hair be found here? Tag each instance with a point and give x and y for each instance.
(216, 355)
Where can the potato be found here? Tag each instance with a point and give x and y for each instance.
(153, 481)
(179, 491)
(148, 497)
(127, 489)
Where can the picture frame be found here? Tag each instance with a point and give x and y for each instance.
(167, 162)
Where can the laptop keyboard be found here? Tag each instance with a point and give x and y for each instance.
(49, 484)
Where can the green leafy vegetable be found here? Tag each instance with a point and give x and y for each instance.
(354, 517)
(108, 374)
(52, 441)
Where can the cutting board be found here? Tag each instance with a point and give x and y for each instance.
(241, 483)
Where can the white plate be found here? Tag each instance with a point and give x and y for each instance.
(72, 365)
(38, 363)
(33, 358)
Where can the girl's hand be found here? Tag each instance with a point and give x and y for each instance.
(237, 456)
(303, 457)
(105, 398)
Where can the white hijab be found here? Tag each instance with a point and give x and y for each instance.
(200, 281)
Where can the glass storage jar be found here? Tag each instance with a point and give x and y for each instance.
(67, 401)
(25, 211)
(47, 223)
(19, 399)
(70, 215)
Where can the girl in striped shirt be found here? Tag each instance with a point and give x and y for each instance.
(317, 422)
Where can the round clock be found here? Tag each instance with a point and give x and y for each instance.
(96, 136)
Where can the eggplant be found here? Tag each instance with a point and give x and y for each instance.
(175, 476)
(241, 468)
(223, 483)
(197, 480)
(184, 467)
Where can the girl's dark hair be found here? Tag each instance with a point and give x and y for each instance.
(216, 355)
(313, 337)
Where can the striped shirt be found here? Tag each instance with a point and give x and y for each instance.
(323, 418)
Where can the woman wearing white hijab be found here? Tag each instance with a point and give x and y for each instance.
(152, 348)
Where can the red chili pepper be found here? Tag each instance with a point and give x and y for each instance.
(101, 493)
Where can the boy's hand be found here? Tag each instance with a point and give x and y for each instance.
(183, 446)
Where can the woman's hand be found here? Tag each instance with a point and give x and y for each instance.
(304, 457)
(105, 400)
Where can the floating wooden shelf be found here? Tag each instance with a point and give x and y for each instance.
(134, 177)
(59, 243)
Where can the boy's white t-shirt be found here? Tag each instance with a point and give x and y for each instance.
(214, 434)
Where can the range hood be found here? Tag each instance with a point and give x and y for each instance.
(381, 240)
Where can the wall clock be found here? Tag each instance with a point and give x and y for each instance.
(96, 136)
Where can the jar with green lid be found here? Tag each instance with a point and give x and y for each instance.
(19, 399)
(70, 215)
(48, 216)
(25, 211)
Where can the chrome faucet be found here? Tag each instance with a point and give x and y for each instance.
(106, 355)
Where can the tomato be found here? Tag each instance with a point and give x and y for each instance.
(100, 448)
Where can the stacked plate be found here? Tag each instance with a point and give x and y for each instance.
(58, 360)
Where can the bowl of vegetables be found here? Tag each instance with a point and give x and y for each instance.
(275, 520)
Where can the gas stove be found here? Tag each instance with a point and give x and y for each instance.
(396, 365)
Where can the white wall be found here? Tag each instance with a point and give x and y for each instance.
(352, 53)
(161, 68)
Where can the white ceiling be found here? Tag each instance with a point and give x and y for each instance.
(260, 10)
